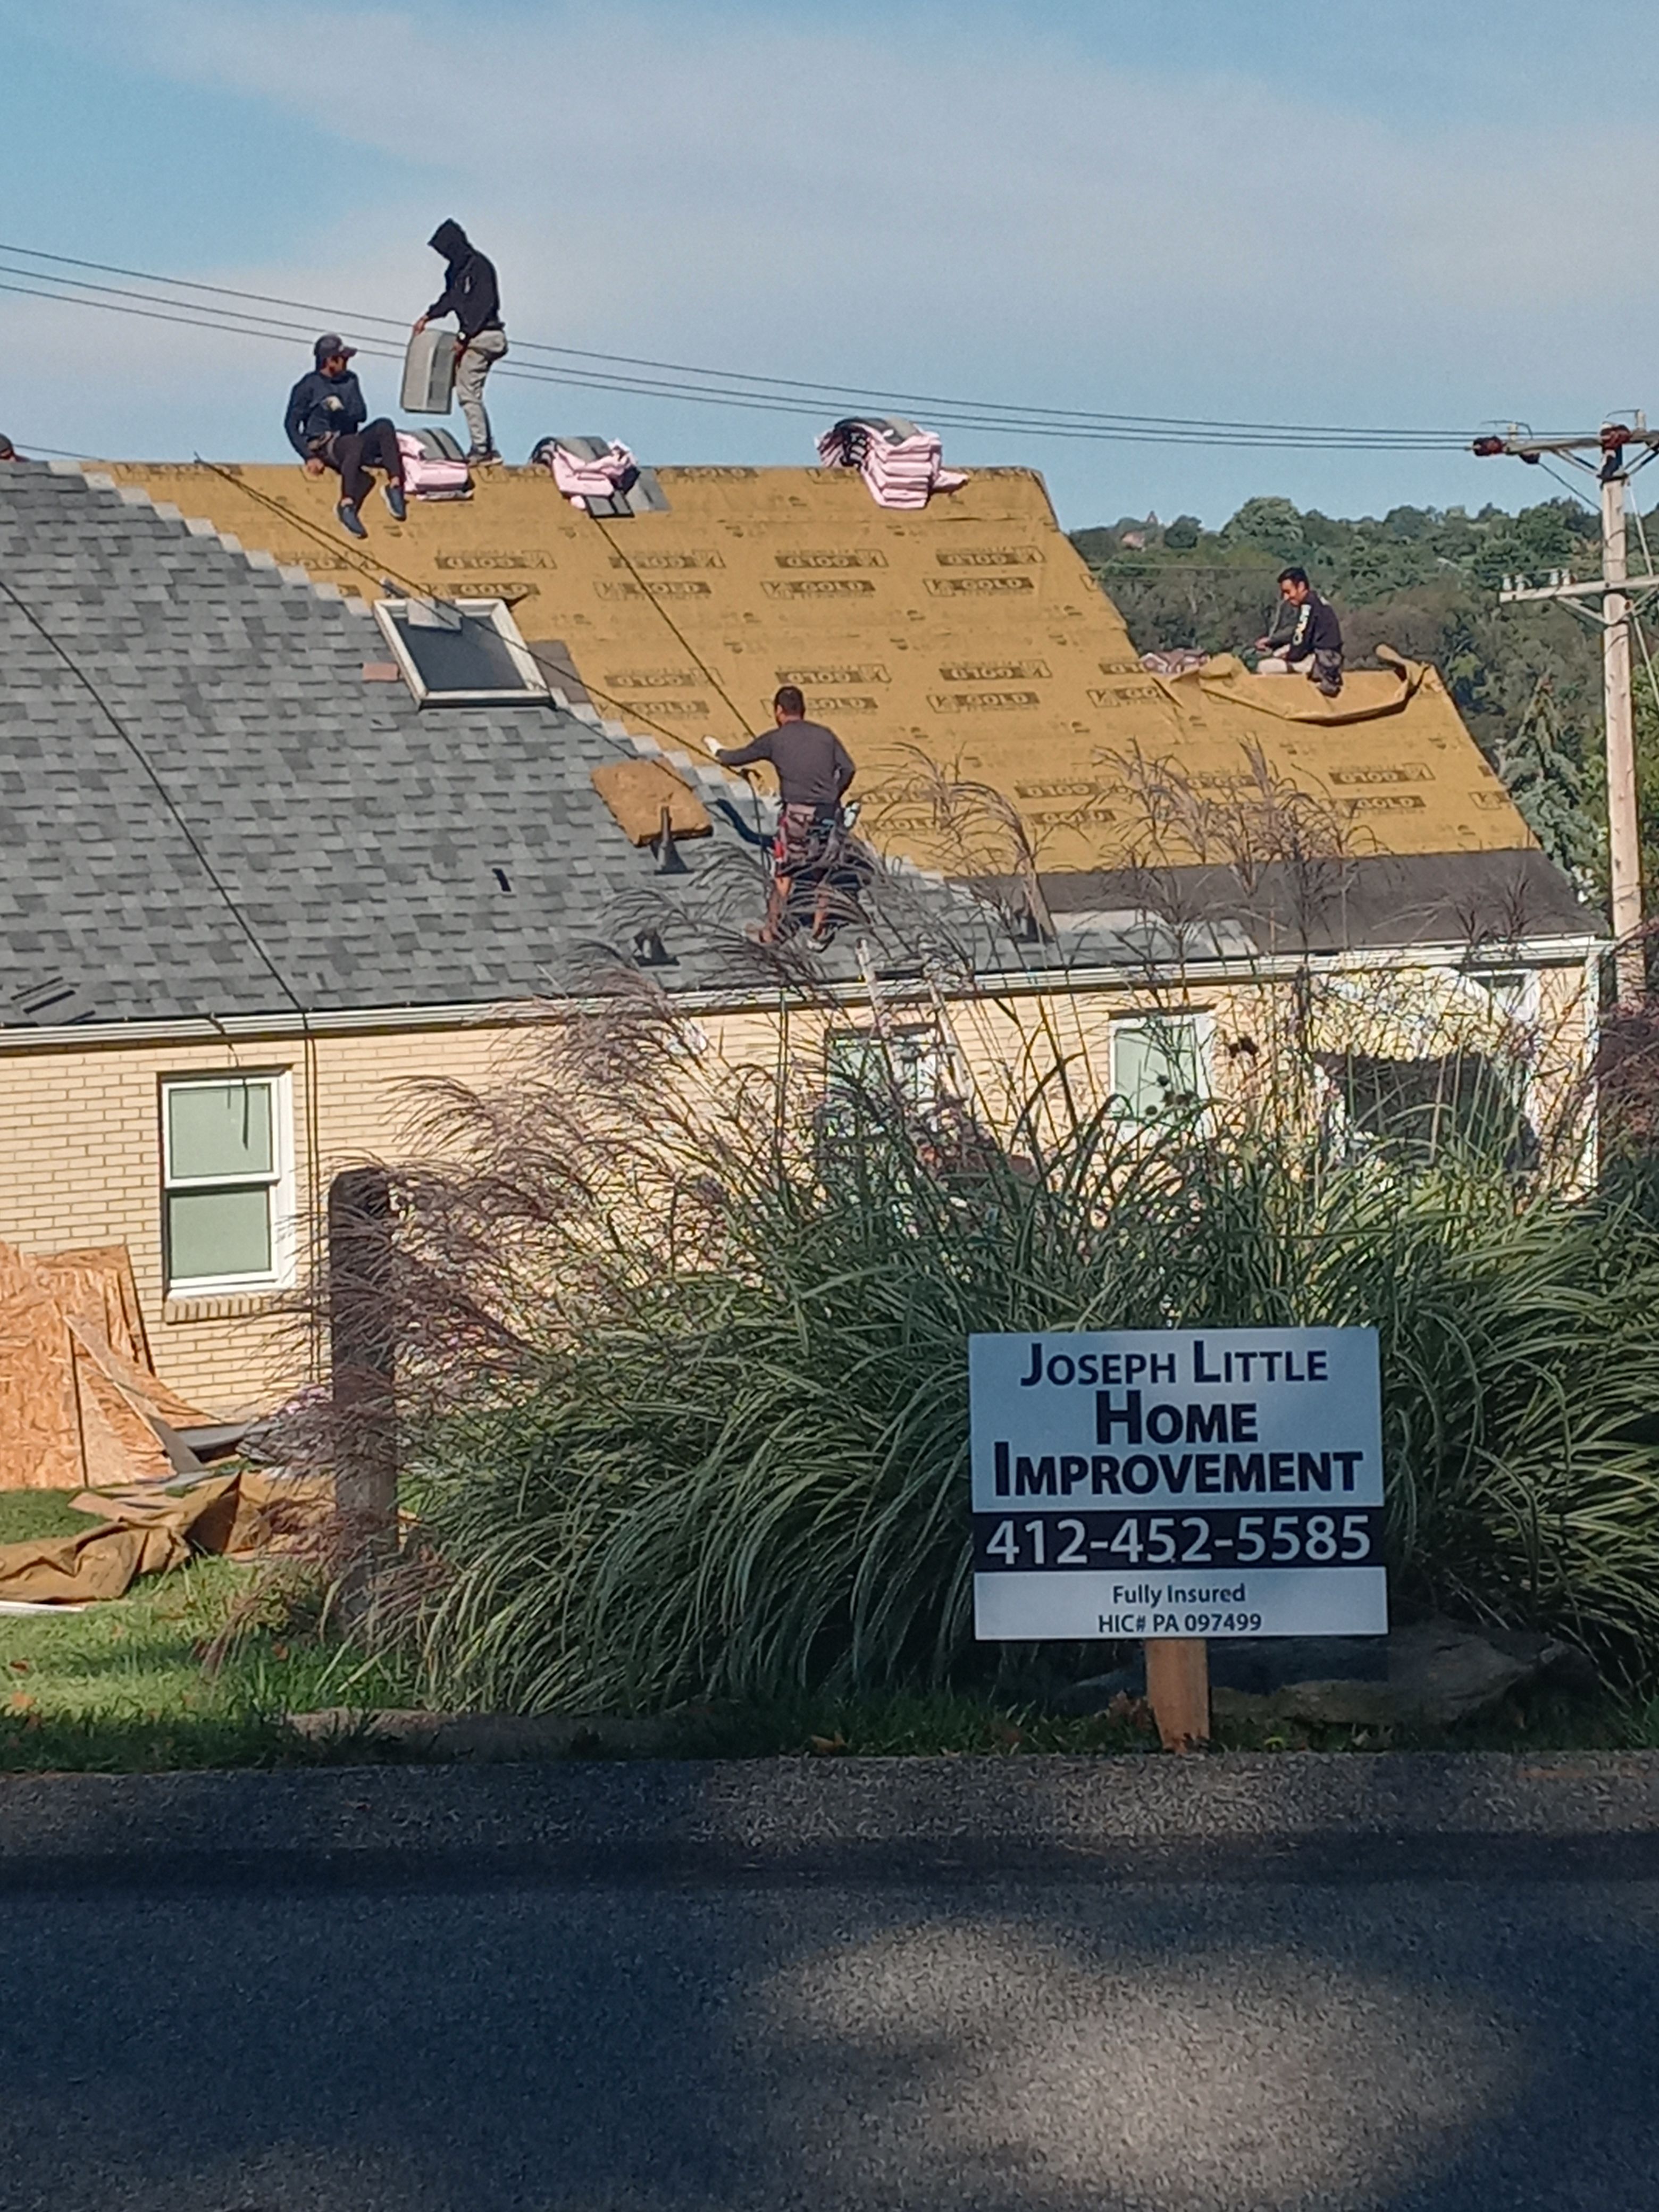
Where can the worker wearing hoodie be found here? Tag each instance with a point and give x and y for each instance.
(472, 295)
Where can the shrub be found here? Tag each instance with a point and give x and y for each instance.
(685, 1375)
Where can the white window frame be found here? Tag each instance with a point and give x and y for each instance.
(1479, 977)
(279, 1183)
(1199, 1019)
(536, 690)
(914, 1048)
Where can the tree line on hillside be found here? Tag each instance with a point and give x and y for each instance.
(1526, 679)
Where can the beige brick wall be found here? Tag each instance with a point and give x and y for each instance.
(79, 1125)
(81, 1163)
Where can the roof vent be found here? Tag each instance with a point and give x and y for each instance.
(461, 653)
(53, 1004)
(650, 951)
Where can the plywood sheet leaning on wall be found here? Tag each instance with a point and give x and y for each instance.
(78, 1397)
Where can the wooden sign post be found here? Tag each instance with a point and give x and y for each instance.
(1178, 1689)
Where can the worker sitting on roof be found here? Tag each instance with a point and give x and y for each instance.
(813, 769)
(473, 296)
(7, 451)
(1306, 638)
(325, 426)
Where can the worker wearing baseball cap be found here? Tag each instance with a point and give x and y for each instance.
(326, 426)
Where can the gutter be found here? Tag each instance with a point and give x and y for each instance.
(1021, 982)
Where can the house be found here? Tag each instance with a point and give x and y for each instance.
(274, 850)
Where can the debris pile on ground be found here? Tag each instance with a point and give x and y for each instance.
(1430, 1674)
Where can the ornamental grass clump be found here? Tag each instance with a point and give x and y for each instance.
(684, 1355)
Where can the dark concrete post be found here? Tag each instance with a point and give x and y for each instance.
(362, 1362)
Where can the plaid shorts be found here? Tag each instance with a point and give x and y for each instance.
(808, 837)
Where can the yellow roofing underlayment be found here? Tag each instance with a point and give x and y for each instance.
(970, 636)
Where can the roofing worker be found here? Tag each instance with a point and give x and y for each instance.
(1310, 643)
(813, 769)
(472, 295)
(325, 426)
(7, 451)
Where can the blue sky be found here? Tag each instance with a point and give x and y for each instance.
(1389, 215)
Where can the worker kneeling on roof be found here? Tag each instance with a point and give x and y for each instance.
(325, 426)
(1306, 638)
(813, 770)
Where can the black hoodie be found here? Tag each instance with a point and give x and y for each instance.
(321, 407)
(469, 293)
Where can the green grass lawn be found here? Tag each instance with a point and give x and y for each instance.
(126, 1685)
(138, 1684)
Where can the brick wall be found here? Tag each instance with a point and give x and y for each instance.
(81, 1163)
(79, 1125)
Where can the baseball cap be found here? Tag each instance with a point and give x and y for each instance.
(330, 343)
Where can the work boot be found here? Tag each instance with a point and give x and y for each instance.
(394, 500)
(351, 519)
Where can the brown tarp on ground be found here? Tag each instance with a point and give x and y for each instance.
(79, 1396)
(149, 1532)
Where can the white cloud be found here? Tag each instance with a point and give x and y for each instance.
(1007, 216)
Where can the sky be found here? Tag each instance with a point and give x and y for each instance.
(1396, 215)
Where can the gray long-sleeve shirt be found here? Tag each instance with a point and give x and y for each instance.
(814, 767)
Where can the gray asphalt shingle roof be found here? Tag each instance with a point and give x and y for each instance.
(359, 834)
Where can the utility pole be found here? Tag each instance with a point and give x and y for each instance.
(1615, 591)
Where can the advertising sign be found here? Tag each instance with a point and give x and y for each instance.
(1214, 1482)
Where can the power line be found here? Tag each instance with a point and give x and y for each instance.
(716, 388)
(828, 392)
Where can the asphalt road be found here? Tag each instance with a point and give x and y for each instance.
(522, 2004)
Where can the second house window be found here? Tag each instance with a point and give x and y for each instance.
(227, 1184)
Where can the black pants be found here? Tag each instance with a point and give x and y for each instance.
(353, 452)
(1326, 670)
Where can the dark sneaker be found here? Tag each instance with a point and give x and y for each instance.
(394, 500)
(351, 519)
(475, 459)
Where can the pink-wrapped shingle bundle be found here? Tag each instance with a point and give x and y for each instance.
(581, 475)
(901, 464)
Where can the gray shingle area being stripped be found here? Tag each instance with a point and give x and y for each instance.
(360, 835)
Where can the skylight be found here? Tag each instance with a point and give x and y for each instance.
(461, 653)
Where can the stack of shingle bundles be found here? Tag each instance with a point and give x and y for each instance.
(902, 466)
(581, 476)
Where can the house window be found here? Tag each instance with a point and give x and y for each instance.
(227, 1184)
(1512, 992)
(461, 653)
(1160, 1063)
(1421, 1110)
(867, 1071)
